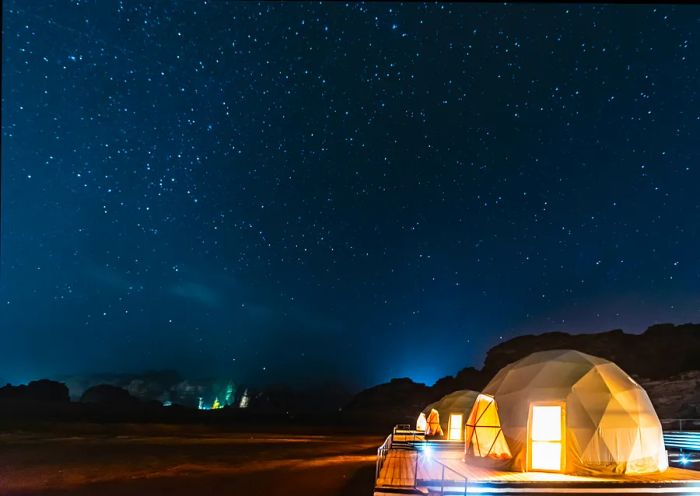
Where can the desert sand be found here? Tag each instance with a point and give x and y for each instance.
(184, 460)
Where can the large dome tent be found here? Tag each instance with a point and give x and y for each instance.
(566, 411)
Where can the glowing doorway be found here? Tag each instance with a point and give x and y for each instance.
(455, 427)
(546, 450)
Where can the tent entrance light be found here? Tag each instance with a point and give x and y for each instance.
(455, 428)
(546, 438)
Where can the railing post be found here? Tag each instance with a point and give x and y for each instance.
(442, 481)
(376, 467)
(380, 463)
(415, 472)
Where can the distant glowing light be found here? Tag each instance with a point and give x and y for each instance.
(684, 460)
(229, 394)
(245, 400)
(428, 451)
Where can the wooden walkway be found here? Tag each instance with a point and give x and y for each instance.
(402, 468)
(398, 469)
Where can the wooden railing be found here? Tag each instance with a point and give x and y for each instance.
(382, 453)
(422, 449)
(442, 478)
(406, 431)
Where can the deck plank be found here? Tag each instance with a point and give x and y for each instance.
(398, 471)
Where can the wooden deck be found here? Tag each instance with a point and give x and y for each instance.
(402, 467)
(399, 469)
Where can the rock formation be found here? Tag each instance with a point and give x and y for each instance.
(43, 390)
(665, 359)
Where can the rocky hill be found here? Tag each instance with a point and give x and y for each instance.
(662, 351)
(396, 401)
(677, 396)
(665, 359)
(44, 390)
(106, 394)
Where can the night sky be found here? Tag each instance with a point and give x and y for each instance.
(302, 192)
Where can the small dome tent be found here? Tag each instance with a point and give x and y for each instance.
(566, 411)
(434, 429)
(453, 409)
(422, 423)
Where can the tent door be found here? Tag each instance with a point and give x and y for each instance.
(546, 437)
(455, 427)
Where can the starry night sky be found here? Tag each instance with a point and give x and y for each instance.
(295, 192)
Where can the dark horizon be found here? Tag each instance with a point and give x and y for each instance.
(291, 192)
(347, 385)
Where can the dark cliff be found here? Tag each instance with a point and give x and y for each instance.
(662, 351)
(665, 359)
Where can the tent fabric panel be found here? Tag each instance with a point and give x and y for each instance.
(484, 434)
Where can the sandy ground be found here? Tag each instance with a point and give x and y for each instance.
(177, 461)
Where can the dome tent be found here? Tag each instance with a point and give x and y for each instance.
(433, 429)
(566, 411)
(449, 406)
